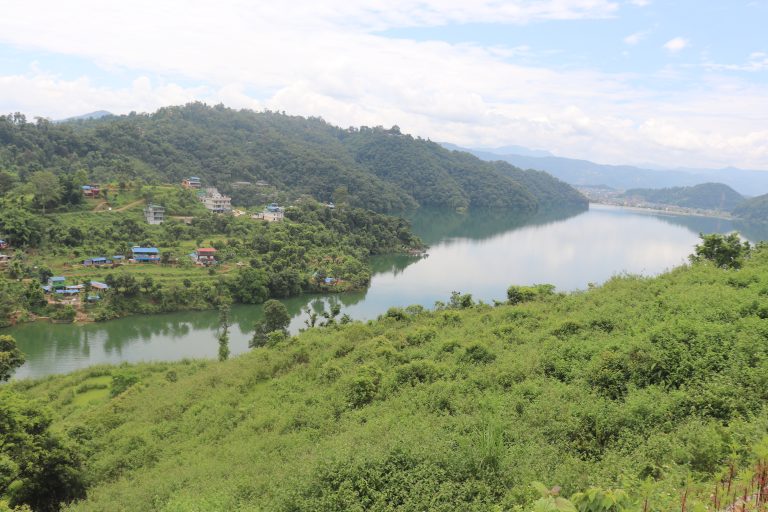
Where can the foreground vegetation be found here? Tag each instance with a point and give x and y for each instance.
(656, 386)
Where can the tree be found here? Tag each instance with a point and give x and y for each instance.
(36, 467)
(147, 283)
(10, 357)
(276, 321)
(726, 251)
(276, 317)
(224, 331)
(6, 182)
(19, 226)
(249, 286)
(46, 188)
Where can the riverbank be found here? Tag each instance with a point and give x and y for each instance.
(667, 210)
(478, 254)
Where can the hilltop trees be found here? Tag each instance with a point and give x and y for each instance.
(273, 154)
(727, 251)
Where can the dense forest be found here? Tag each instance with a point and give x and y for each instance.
(707, 196)
(272, 154)
(642, 394)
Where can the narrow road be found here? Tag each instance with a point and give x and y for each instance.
(129, 205)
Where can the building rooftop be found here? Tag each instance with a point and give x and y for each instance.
(145, 250)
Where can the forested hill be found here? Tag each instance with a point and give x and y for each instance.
(707, 196)
(376, 168)
(753, 209)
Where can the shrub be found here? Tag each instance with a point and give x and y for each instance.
(121, 381)
(478, 354)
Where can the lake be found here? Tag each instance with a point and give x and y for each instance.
(477, 253)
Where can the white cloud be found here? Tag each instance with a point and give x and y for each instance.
(327, 59)
(758, 61)
(640, 3)
(635, 38)
(677, 44)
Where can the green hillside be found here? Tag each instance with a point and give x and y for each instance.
(707, 196)
(654, 385)
(376, 168)
(754, 209)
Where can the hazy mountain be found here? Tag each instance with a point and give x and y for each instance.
(623, 177)
(503, 150)
(85, 117)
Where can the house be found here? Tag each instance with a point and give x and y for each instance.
(191, 182)
(118, 259)
(215, 201)
(57, 282)
(269, 216)
(3, 244)
(154, 213)
(5, 259)
(69, 290)
(91, 190)
(97, 262)
(205, 256)
(146, 254)
(96, 285)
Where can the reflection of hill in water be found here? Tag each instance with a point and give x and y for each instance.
(752, 231)
(436, 225)
(698, 224)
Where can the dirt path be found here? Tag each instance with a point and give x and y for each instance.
(100, 207)
(128, 206)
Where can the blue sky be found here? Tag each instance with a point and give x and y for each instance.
(672, 83)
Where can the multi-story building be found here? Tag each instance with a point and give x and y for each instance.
(215, 201)
(154, 213)
(191, 182)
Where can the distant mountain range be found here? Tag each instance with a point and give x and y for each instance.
(86, 117)
(623, 177)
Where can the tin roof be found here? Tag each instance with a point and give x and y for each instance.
(145, 250)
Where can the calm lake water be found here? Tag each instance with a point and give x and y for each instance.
(478, 253)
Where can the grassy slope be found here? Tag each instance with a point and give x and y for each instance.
(445, 410)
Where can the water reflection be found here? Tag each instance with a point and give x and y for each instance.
(478, 253)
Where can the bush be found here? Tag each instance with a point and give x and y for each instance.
(121, 381)
(363, 387)
(478, 354)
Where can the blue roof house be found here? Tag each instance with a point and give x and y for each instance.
(146, 254)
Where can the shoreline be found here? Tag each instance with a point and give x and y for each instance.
(681, 213)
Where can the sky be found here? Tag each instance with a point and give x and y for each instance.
(674, 83)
